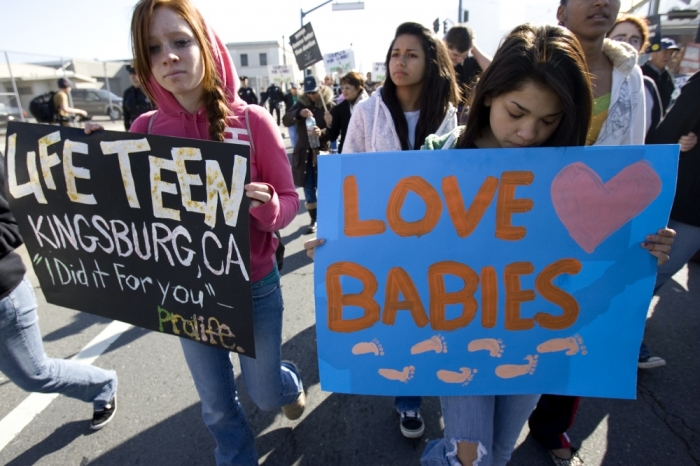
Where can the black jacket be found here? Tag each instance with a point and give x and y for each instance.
(467, 72)
(664, 83)
(341, 119)
(11, 266)
(274, 95)
(302, 150)
(135, 104)
(289, 100)
(683, 118)
(248, 95)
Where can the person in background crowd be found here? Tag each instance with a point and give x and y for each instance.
(201, 101)
(634, 30)
(330, 83)
(315, 102)
(22, 356)
(61, 103)
(369, 84)
(247, 93)
(618, 119)
(274, 97)
(353, 87)
(468, 60)
(135, 102)
(683, 121)
(418, 99)
(656, 69)
(290, 98)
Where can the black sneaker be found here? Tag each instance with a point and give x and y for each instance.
(102, 417)
(311, 228)
(411, 424)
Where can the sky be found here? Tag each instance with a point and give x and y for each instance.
(91, 29)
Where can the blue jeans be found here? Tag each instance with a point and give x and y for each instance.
(270, 383)
(292, 130)
(686, 244)
(24, 362)
(494, 422)
(310, 183)
(407, 403)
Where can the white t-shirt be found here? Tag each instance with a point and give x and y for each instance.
(412, 120)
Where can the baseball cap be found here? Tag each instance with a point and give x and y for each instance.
(310, 85)
(669, 44)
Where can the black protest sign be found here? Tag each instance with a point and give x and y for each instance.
(654, 33)
(145, 229)
(305, 47)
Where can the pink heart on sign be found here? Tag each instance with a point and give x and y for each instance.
(592, 210)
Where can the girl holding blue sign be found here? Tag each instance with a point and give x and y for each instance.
(419, 98)
(189, 74)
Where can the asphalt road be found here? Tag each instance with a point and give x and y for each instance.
(158, 420)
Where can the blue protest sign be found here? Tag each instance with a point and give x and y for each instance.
(481, 272)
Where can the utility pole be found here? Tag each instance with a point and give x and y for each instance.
(459, 18)
(654, 7)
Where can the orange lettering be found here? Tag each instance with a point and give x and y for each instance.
(515, 296)
(353, 225)
(399, 281)
(489, 297)
(337, 300)
(439, 299)
(466, 221)
(557, 296)
(507, 205)
(433, 207)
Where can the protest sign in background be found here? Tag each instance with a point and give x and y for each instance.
(148, 230)
(280, 74)
(305, 47)
(488, 271)
(339, 62)
(691, 59)
(378, 72)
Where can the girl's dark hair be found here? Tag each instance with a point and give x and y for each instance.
(439, 87)
(353, 78)
(215, 100)
(546, 56)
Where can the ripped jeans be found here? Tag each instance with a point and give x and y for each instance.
(493, 421)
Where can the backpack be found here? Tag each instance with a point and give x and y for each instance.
(43, 109)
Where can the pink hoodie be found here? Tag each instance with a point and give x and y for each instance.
(269, 163)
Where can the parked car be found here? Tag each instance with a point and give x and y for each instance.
(96, 102)
(8, 114)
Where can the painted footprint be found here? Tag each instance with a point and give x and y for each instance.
(366, 347)
(402, 376)
(436, 343)
(509, 371)
(494, 347)
(572, 345)
(464, 376)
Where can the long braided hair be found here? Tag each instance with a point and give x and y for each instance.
(215, 98)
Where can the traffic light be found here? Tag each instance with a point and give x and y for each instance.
(465, 19)
(436, 25)
(444, 27)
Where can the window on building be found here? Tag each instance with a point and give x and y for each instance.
(263, 59)
(244, 59)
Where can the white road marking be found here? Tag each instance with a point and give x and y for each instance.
(27, 410)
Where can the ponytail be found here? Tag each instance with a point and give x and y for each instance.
(217, 111)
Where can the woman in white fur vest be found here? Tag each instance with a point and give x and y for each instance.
(418, 99)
